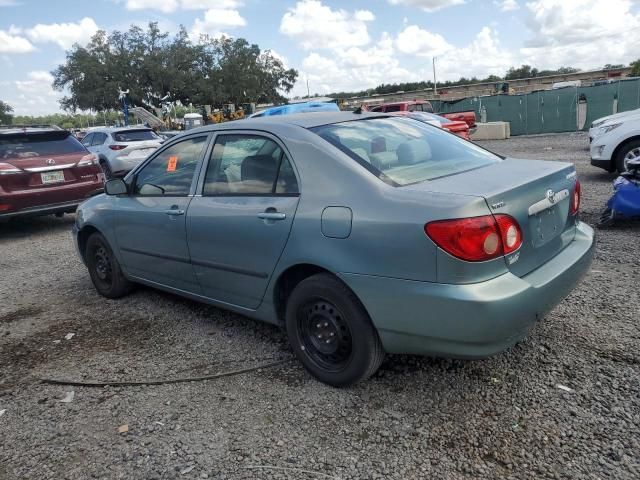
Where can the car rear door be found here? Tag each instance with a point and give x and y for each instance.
(239, 226)
(150, 223)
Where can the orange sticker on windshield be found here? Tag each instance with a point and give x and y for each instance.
(173, 163)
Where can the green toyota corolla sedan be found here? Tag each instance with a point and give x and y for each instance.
(360, 234)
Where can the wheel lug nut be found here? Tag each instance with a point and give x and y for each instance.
(318, 325)
(319, 336)
(327, 341)
(326, 324)
(332, 334)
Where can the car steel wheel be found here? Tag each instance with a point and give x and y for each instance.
(103, 265)
(633, 154)
(324, 334)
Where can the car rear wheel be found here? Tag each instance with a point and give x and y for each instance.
(331, 333)
(104, 268)
(630, 151)
(106, 168)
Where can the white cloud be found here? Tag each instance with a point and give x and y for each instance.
(581, 33)
(32, 95)
(63, 34)
(506, 5)
(12, 43)
(165, 6)
(207, 4)
(214, 21)
(169, 6)
(413, 40)
(8, 3)
(484, 56)
(317, 26)
(353, 68)
(428, 5)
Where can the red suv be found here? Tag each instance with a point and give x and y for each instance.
(44, 170)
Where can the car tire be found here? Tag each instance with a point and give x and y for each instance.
(106, 168)
(104, 269)
(331, 333)
(623, 152)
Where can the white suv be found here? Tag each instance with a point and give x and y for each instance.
(615, 142)
(120, 150)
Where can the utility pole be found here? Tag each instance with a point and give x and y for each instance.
(308, 93)
(435, 88)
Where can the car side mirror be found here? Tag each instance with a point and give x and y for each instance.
(115, 186)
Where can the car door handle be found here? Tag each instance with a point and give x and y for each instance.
(272, 216)
(174, 211)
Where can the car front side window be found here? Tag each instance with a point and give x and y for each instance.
(171, 172)
(249, 165)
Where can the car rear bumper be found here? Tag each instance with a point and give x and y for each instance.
(470, 321)
(66, 207)
(47, 201)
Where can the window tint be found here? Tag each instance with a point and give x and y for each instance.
(86, 141)
(393, 108)
(248, 164)
(30, 145)
(134, 135)
(98, 139)
(401, 151)
(171, 171)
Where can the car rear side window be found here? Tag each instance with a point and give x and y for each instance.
(30, 145)
(249, 165)
(171, 172)
(134, 135)
(401, 151)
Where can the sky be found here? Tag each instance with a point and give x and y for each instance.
(335, 45)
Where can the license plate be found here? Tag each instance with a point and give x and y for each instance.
(142, 153)
(52, 177)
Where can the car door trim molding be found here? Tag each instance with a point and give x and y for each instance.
(175, 258)
(200, 263)
(229, 268)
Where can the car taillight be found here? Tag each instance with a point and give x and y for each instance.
(117, 147)
(476, 239)
(88, 160)
(8, 169)
(575, 199)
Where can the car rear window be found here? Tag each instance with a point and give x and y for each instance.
(134, 136)
(402, 151)
(32, 144)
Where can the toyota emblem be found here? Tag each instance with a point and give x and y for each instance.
(551, 196)
(51, 161)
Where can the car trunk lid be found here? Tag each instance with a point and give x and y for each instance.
(536, 193)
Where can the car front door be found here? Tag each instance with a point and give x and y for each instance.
(238, 228)
(150, 224)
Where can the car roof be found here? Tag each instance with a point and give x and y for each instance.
(117, 129)
(16, 129)
(304, 120)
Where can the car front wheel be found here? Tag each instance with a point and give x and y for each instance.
(630, 151)
(104, 268)
(331, 333)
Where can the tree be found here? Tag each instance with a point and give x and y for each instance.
(5, 113)
(151, 65)
(610, 66)
(635, 68)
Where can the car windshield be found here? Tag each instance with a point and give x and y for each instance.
(134, 135)
(426, 116)
(30, 145)
(402, 151)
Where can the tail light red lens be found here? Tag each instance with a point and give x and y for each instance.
(8, 169)
(88, 160)
(575, 199)
(117, 147)
(476, 239)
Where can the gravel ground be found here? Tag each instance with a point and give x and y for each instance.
(503, 417)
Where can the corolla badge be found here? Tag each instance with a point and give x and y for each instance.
(551, 196)
(51, 161)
